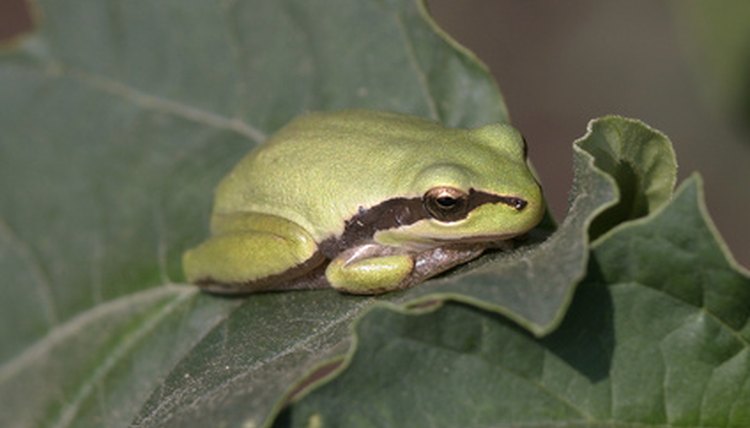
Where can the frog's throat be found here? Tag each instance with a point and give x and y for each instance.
(399, 212)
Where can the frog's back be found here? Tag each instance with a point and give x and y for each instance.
(322, 167)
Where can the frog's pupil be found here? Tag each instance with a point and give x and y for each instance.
(446, 202)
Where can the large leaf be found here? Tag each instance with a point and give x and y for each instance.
(658, 335)
(118, 119)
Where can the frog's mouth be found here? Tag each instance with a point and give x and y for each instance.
(420, 243)
(479, 239)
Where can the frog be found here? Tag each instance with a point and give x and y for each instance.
(365, 202)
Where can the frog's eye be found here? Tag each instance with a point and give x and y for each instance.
(446, 203)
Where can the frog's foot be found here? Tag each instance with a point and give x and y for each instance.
(376, 269)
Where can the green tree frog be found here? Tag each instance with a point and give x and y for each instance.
(365, 202)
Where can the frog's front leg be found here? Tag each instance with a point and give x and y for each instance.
(375, 269)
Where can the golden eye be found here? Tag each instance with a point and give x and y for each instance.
(446, 203)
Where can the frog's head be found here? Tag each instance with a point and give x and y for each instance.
(478, 189)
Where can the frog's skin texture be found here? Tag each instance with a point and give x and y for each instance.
(365, 202)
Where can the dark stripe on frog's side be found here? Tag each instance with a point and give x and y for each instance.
(359, 229)
(398, 212)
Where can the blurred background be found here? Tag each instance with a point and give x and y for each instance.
(681, 66)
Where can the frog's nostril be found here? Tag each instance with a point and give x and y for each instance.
(517, 203)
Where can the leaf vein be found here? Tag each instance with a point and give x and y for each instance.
(258, 365)
(733, 331)
(62, 332)
(539, 385)
(88, 386)
(162, 105)
(36, 269)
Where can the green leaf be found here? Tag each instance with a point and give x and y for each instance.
(658, 335)
(118, 119)
(641, 162)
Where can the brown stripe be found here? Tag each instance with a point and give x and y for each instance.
(359, 229)
(399, 212)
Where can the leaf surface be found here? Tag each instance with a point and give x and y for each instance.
(119, 118)
(658, 335)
